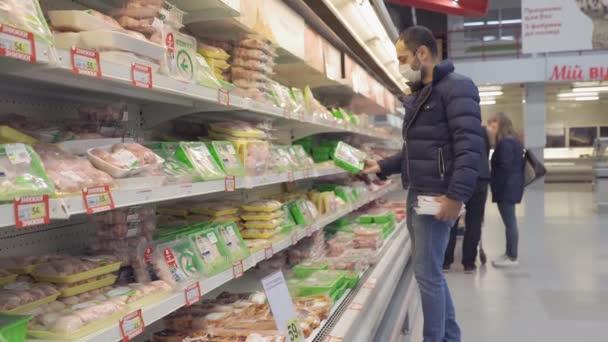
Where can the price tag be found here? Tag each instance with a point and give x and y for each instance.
(237, 269)
(131, 325)
(18, 44)
(356, 307)
(286, 113)
(309, 231)
(223, 97)
(294, 238)
(85, 62)
(97, 199)
(291, 177)
(282, 307)
(141, 75)
(268, 252)
(230, 184)
(370, 283)
(193, 293)
(31, 211)
(185, 189)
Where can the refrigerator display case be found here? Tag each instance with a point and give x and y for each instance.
(600, 172)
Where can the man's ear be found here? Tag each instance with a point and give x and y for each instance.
(424, 54)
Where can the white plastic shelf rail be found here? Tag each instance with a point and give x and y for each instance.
(63, 208)
(176, 300)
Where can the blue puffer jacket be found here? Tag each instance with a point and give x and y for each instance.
(442, 136)
(508, 171)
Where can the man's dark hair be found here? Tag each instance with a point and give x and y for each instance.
(417, 36)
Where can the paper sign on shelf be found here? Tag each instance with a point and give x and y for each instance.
(141, 75)
(18, 44)
(131, 325)
(294, 238)
(237, 269)
(98, 199)
(85, 61)
(193, 293)
(230, 183)
(268, 252)
(282, 307)
(31, 211)
(223, 97)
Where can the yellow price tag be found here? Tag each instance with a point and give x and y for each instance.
(294, 332)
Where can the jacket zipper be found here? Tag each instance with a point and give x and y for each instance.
(441, 163)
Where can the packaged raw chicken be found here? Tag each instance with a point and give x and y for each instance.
(253, 64)
(262, 215)
(231, 237)
(68, 270)
(263, 206)
(260, 233)
(124, 160)
(215, 209)
(198, 156)
(176, 171)
(177, 262)
(214, 52)
(257, 43)
(26, 15)
(239, 129)
(211, 251)
(86, 20)
(249, 54)
(20, 297)
(348, 157)
(269, 224)
(241, 73)
(22, 173)
(225, 155)
(205, 75)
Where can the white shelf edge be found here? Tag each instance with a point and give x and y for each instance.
(64, 208)
(154, 312)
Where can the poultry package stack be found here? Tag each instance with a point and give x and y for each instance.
(120, 232)
(252, 66)
(310, 248)
(140, 16)
(262, 219)
(217, 59)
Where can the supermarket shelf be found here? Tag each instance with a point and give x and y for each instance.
(64, 208)
(360, 319)
(156, 311)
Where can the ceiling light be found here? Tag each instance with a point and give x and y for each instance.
(588, 89)
(489, 88)
(489, 38)
(511, 21)
(474, 23)
(562, 95)
(488, 102)
(523, 101)
(507, 38)
(587, 84)
(491, 98)
(587, 98)
(490, 93)
(493, 22)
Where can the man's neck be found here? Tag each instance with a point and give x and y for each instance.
(427, 77)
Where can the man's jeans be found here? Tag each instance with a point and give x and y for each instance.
(430, 238)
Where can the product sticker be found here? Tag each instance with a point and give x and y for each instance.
(223, 97)
(98, 199)
(193, 293)
(85, 62)
(237, 269)
(212, 238)
(141, 75)
(356, 307)
(17, 154)
(268, 252)
(71, 175)
(18, 44)
(230, 230)
(131, 325)
(126, 158)
(370, 283)
(31, 211)
(229, 183)
(294, 238)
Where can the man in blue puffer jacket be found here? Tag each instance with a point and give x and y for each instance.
(442, 136)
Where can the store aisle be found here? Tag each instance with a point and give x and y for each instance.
(559, 292)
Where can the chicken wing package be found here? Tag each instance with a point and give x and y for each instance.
(349, 158)
(225, 155)
(177, 262)
(22, 173)
(230, 235)
(124, 160)
(198, 156)
(213, 253)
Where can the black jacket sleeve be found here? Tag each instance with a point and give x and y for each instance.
(391, 165)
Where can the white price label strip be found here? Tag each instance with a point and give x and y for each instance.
(268, 252)
(18, 44)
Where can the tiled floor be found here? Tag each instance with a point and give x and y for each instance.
(559, 292)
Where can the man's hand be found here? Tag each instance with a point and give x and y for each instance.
(450, 209)
(371, 166)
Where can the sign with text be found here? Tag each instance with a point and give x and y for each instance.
(282, 307)
(141, 75)
(563, 25)
(193, 293)
(131, 325)
(97, 199)
(17, 44)
(85, 62)
(31, 211)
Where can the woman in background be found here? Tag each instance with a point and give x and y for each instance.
(507, 180)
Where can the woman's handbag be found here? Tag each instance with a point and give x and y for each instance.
(533, 168)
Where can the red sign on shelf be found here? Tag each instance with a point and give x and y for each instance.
(193, 293)
(223, 97)
(141, 75)
(97, 199)
(230, 183)
(237, 269)
(18, 44)
(131, 325)
(85, 62)
(31, 211)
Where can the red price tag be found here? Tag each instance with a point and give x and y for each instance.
(370, 283)
(193, 294)
(85, 62)
(291, 177)
(131, 325)
(223, 97)
(268, 252)
(141, 75)
(31, 211)
(294, 238)
(356, 307)
(98, 199)
(237, 269)
(18, 44)
(230, 184)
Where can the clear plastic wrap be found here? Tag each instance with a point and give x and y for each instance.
(198, 156)
(226, 156)
(177, 262)
(205, 75)
(22, 173)
(233, 240)
(26, 15)
(263, 206)
(238, 129)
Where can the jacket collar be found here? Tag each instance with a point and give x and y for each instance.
(440, 71)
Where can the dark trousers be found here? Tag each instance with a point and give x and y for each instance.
(507, 212)
(476, 208)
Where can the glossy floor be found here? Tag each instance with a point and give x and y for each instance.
(560, 290)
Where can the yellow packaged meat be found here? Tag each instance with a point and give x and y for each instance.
(263, 205)
(272, 224)
(261, 215)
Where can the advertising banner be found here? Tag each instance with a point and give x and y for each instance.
(564, 25)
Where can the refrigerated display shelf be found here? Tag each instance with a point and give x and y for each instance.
(153, 312)
(65, 207)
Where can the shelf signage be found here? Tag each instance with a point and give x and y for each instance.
(131, 325)
(282, 307)
(356, 307)
(98, 199)
(85, 62)
(333, 339)
(193, 294)
(268, 252)
(31, 211)
(18, 44)
(294, 238)
(576, 72)
(309, 231)
(230, 183)
(141, 76)
(237, 269)
(223, 97)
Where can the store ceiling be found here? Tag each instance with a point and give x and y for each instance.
(467, 8)
(514, 93)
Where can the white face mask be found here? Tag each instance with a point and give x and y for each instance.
(410, 74)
